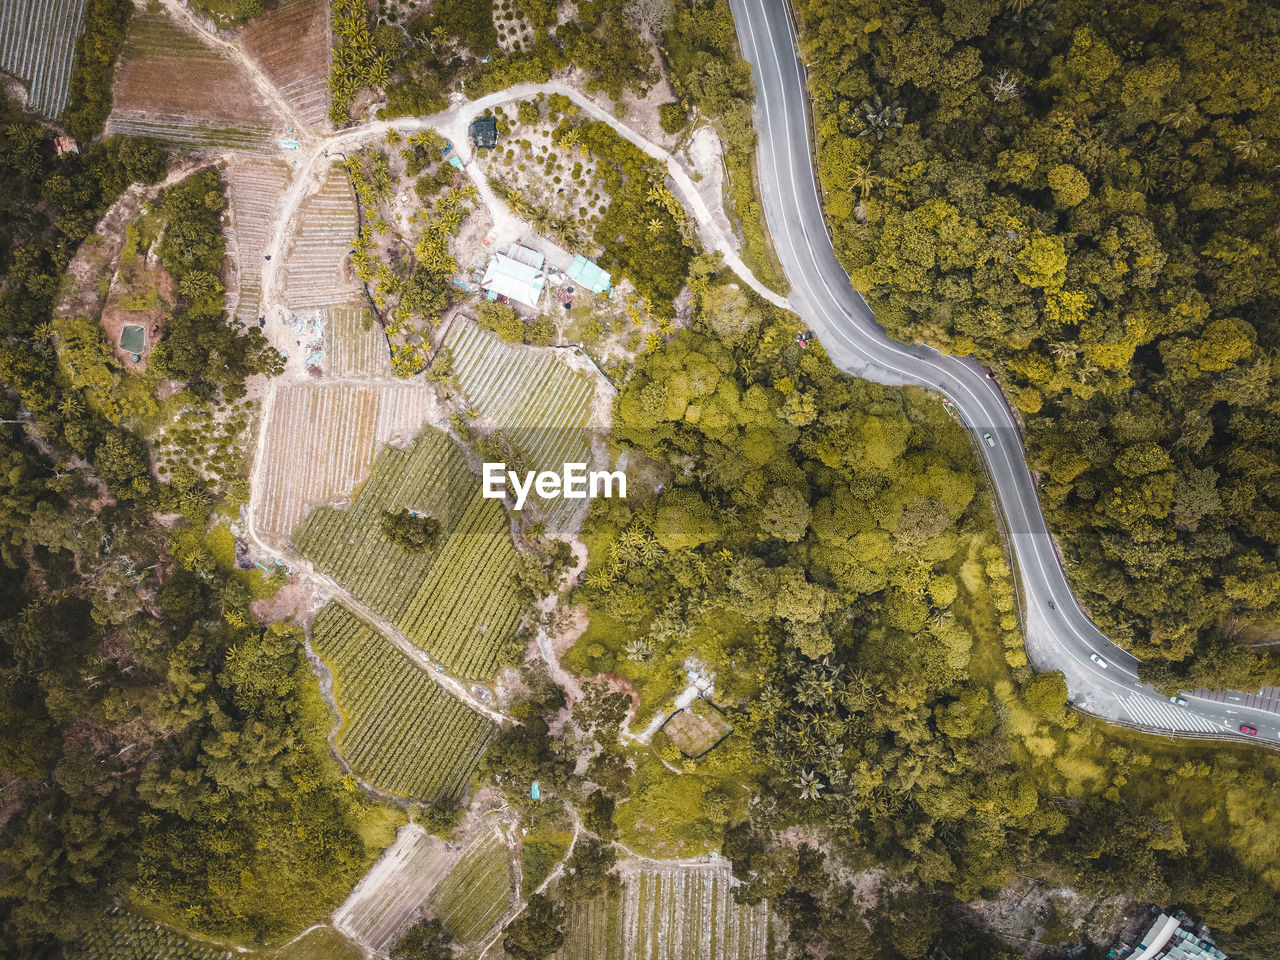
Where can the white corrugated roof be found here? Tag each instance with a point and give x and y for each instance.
(1161, 933)
(514, 280)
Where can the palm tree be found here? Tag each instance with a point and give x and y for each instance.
(1018, 6)
(1183, 115)
(862, 179)
(1063, 351)
(1086, 372)
(654, 227)
(880, 119)
(540, 219)
(1250, 147)
(70, 405)
(808, 785)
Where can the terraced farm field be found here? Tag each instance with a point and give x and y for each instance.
(457, 602)
(356, 344)
(165, 84)
(321, 441)
(537, 402)
(291, 43)
(668, 911)
(121, 935)
(390, 894)
(37, 45)
(475, 894)
(255, 186)
(400, 730)
(315, 268)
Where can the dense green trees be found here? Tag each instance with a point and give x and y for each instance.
(414, 532)
(1075, 196)
(199, 346)
(105, 22)
(159, 742)
(821, 542)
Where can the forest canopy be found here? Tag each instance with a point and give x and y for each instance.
(1085, 198)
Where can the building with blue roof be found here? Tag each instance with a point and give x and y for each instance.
(586, 274)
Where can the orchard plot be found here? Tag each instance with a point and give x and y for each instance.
(400, 730)
(457, 601)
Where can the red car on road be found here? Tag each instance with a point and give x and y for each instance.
(1251, 731)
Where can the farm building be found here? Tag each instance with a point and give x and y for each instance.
(587, 274)
(62, 145)
(484, 132)
(517, 275)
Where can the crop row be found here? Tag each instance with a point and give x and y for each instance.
(437, 619)
(475, 894)
(391, 892)
(254, 187)
(353, 350)
(37, 43)
(188, 134)
(400, 730)
(291, 42)
(540, 405)
(121, 935)
(314, 274)
(456, 601)
(321, 441)
(431, 478)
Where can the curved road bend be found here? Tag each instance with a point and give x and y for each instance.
(1059, 634)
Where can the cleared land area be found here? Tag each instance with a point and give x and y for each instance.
(400, 730)
(254, 186)
(668, 911)
(171, 86)
(321, 442)
(316, 269)
(477, 891)
(37, 45)
(291, 43)
(537, 403)
(390, 894)
(457, 601)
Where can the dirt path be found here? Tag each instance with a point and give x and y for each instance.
(550, 879)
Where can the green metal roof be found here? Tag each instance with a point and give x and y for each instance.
(484, 132)
(585, 273)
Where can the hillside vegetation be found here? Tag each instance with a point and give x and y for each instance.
(1085, 198)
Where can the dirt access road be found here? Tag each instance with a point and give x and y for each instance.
(318, 150)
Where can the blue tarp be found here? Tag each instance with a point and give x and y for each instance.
(456, 161)
(585, 273)
(535, 791)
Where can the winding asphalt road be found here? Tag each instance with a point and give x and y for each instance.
(1059, 633)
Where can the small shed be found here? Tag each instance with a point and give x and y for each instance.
(484, 132)
(62, 145)
(587, 274)
(514, 280)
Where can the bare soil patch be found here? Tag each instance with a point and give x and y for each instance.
(291, 43)
(208, 89)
